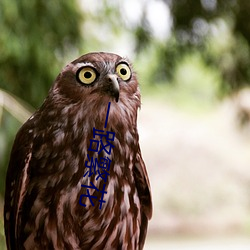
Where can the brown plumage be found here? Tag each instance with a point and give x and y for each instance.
(47, 164)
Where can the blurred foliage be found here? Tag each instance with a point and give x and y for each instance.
(2, 236)
(193, 87)
(218, 29)
(34, 36)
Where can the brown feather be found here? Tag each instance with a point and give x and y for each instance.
(47, 166)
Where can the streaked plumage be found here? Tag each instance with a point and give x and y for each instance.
(46, 168)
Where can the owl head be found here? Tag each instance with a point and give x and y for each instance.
(82, 91)
(98, 77)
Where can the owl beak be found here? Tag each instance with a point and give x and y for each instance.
(114, 86)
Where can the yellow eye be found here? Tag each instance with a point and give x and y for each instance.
(123, 71)
(86, 75)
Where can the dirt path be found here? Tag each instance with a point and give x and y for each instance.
(199, 167)
(240, 244)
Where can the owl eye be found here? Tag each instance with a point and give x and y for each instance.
(86, 75)
(123, 71)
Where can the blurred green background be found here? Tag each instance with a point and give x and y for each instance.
(192, 60)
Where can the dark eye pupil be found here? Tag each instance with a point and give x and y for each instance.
(123, 71)
(87, 75)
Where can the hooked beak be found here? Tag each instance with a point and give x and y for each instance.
(114, 86)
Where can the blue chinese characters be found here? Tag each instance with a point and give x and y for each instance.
(100, 166)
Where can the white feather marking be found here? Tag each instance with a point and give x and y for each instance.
(22, 188)
(31, 117)
(81, 64)
(117, 169)
(60, 207)
(59, 138)
(127, 190)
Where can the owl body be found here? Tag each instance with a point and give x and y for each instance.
(47, 171)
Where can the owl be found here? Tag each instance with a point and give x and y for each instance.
(56, 195)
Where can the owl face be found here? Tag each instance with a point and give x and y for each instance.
(93, 76)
